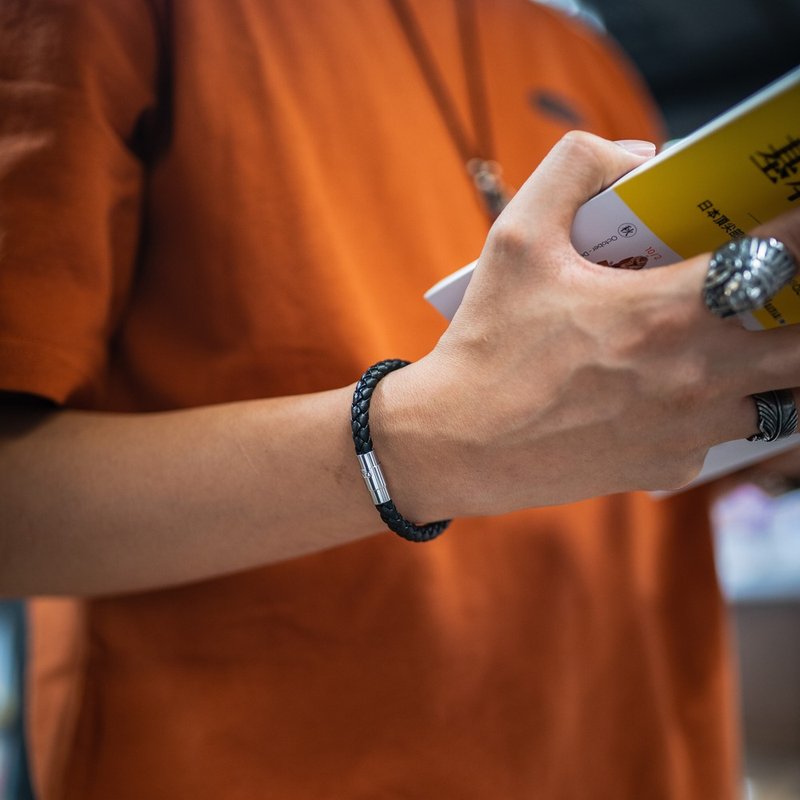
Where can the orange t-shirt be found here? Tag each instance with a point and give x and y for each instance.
(213, 200)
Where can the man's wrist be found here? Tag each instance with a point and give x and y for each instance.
(415, 458)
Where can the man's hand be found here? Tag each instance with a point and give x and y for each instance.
(559, 379)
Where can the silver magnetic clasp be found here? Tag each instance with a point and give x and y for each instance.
(373, 477)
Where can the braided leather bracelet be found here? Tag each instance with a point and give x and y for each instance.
(370, 468)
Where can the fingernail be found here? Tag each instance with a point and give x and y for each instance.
(638, 147)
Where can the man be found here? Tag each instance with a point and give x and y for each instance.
(214, 203)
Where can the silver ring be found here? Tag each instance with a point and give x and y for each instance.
(777, 415)
(744, 274)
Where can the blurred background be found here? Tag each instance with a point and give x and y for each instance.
(699, 57)
(13, 775)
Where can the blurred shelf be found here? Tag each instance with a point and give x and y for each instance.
(10, 701)
(758, 545)
(771, 777)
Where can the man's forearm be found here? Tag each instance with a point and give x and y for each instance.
(99, 503)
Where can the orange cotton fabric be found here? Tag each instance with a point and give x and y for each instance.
(224, 199)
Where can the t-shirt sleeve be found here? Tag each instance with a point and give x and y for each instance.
(77, 81)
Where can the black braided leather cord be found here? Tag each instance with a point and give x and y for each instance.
(362, 439)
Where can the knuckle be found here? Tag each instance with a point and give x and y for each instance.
(578, 139)
(509, 240)
(666, 325)
(648, 327)
(579, 146)
(692, 390)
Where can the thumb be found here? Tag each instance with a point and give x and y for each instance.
(578, 167)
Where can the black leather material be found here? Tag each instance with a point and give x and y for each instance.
(362, 439)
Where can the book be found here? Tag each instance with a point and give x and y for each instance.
(734, 173)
